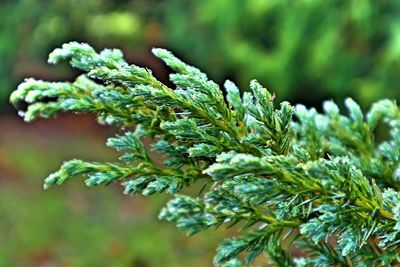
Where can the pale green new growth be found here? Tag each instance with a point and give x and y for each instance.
(319, 182)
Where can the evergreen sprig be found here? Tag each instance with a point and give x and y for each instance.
(319, 182)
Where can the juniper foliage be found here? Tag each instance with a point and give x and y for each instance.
(318, 182)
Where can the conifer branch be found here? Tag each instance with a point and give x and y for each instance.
(318, 182)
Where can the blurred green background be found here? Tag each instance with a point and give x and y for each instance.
(304, 51)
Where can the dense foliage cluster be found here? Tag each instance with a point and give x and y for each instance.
(333, 48)
(317, 183)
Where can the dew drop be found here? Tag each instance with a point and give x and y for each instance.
(21, 113)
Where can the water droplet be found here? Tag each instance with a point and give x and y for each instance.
(21, 113)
